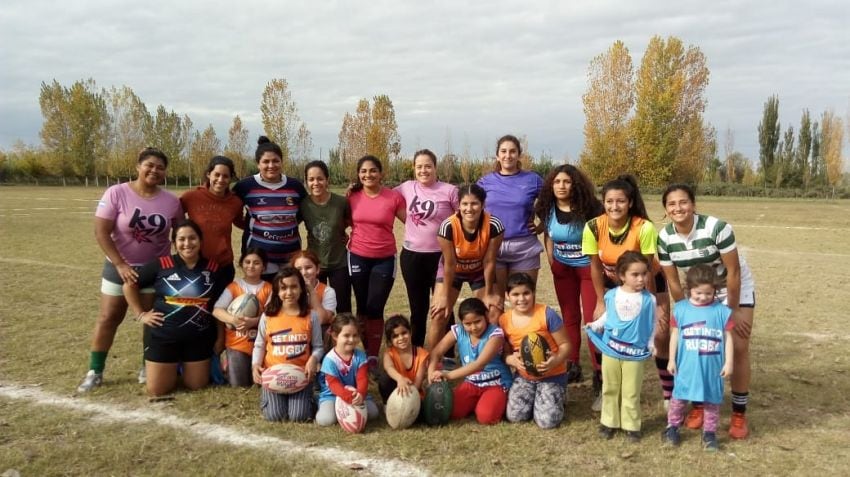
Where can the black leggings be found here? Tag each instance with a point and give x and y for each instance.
(419, 270)
(339, 280)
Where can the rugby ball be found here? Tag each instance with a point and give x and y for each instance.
(284, 379)
(243, 305)
(438, 403)
(402, 411)
(350, 417)
(533, 350)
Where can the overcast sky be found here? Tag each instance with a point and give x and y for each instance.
(478, 71)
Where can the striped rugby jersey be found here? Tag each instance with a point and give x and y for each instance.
(709, 238)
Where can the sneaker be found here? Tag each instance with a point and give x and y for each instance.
(709, 442)
(91, 381)
(738, 428)
(574, 373)
(671, 436)
(143, 375)
(694, 419)
(633, 436)
(606, 432)
(597, 392)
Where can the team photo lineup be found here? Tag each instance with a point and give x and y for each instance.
(279, 312)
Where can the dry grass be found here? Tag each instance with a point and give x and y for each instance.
(49, 275)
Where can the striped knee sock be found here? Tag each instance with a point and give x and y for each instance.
(739, 402)
(665, 377)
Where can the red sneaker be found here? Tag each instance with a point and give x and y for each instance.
(694, 419)
(738, 428)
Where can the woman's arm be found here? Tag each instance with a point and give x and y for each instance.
(549, 245)
(671, 273)
(597, 276)
(103, 234)
(440, 305)
(491, 298)
(733, 278)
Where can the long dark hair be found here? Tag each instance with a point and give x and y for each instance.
(583, 202)
(497, 166)
(358, 186)
(264, 145)
(628, 184)
(276, 304)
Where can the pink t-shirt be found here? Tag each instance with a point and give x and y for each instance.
(141, 224)
(372, 223)
(427, 208)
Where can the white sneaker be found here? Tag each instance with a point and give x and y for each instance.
(597, 404)
(143, 377)
(91, 381)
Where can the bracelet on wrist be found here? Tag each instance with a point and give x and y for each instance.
(139, 318)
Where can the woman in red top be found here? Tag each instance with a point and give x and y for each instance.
(372, 248)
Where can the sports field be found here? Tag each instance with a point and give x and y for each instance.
(49, 287)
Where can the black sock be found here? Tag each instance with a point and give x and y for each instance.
(739, 402)
(665, 377)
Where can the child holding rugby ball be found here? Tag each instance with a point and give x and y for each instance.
(405, 365)
(624, 335)
(345, 373)
(241, 332)
(701, 354)
(487, 378)
(288, 333)
(539, 393)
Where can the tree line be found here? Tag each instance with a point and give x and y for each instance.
(648, 122)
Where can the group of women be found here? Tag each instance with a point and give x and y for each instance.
(477, 234)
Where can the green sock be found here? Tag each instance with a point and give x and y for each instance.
(97, 361)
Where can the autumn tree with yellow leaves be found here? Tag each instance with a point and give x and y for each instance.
(372, 129)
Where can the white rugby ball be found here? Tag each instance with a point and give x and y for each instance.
(402, 411)
(350, 417)
(246, 304)
(284, 379)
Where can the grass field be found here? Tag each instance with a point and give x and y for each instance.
(49, 287)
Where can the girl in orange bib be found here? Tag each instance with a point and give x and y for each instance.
(288, 333)
(405, 365)
(538, 393)
(239, 333)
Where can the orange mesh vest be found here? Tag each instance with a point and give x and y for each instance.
(288, 340)
(420, 357)
(537, 325)
(470, 255)
(244, 340)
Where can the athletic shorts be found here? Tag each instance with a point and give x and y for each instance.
(521, 254)
(111, 282)
(747, 299)
(179, 347)
(358, 265)
(475, 279)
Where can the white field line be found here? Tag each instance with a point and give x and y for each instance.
(787, 227)
(24, 261)
(85, 212)
(212, 432)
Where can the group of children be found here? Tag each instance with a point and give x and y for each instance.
(298, 315)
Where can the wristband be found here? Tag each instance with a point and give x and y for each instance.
(138, 318)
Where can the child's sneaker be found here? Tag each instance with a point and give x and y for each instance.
(738, 428)
(633, 436)
(709, 442)
(671, 436)
(606, 432)
(91, 381)
(695, 418)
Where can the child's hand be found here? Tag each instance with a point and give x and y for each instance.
(246, 323)
(671, 367)
(543, 367)
(257, 373)
(404, 386)
(515, 361)
(596, 326)
(435, 376)
(151, 318)
(726, 371)
(310, 368)
(356, 398)
(653, 350)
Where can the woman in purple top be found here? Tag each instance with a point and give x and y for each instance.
(131, 226)
(429, 202)
(511, 193)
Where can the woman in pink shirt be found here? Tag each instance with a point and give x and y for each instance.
(372, 248)
(429, 202)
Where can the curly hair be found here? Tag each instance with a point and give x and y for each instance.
(584, 205)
